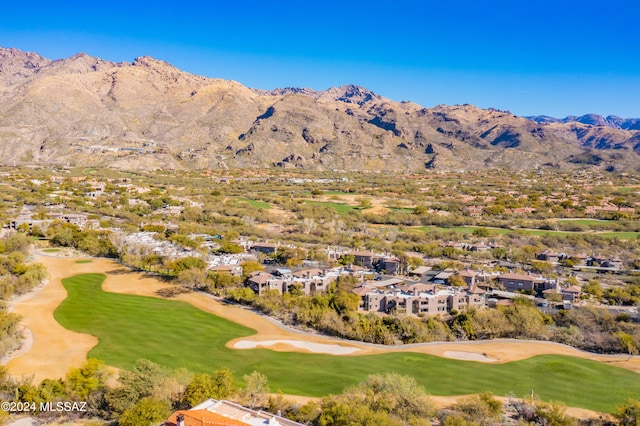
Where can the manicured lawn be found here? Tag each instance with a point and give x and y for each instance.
(628, 189)
(84, 261)
(340, 208)
(620, 235)
(254, 203)
(51, 250)
(586, 222)
(176, 334)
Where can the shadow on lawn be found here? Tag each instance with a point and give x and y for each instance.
(170, 292)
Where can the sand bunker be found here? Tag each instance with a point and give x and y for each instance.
(321, 348)
(468, 356)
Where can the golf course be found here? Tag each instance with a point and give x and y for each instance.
(176, 334)
(110, 313)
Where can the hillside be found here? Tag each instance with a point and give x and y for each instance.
(148, 114)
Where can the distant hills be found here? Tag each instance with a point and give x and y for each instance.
(148, 114)
(594, 120)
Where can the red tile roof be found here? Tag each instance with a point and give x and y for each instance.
(202, 418)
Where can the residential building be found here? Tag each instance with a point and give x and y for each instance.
(266, 248)
(225, 413)
(517, 282)
(416, 299)
(363, 258)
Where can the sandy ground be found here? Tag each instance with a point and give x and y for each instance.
(292, 345)
(468, 356)
(378, 204)
(55, 349)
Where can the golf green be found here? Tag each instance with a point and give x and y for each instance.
(176, 334)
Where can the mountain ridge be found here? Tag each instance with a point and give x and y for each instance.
(148, 114)
(612, 121)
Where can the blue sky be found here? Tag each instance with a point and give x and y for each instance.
(555, 58)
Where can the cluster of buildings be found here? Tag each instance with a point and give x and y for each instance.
(583, 261)
(419, 299)
(54, 213)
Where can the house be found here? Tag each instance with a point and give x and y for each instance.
(419, 299)
(363, 258)
(230, 269)
(390, 265)
(442, 277)
(548, 256)
(479, 247)
(374, 301)
(469, 277)
(266, 248)
(419, 271)
(571, 294)
(615, 262)
(476, 297)
(263, 282)
(225, 413)
(517, 282)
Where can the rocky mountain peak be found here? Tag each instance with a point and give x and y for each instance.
(16, 65)
(149, 114)
(352, 94)
(80, 63)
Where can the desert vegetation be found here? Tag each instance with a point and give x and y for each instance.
(17, 277)
(419, 219)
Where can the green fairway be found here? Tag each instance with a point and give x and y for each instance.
(81, 261)
(631, 235)
(51, 250)
(586, 222)
(340, 208)
(176, 334)
(254, 203)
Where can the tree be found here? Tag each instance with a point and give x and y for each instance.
(229, 247)
(629, 413)
(147, 411)
(193, 278)
(254, 394)
(346, 259)
(480, 232)
(185, 263)
(593, 288)
(121, 399)
(250, 266)
(383, 399)
(628, 343)
(144, 378)
(204, 386)
(364, 203)
(541, 266)
(456, 280)
(218, 280)
(91, 376)
(490, 324)
(482, 408)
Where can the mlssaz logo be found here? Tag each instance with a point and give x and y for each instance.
(64, 406)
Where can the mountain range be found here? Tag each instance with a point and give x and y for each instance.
(147, 114)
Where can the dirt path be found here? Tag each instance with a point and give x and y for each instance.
(55, 349)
